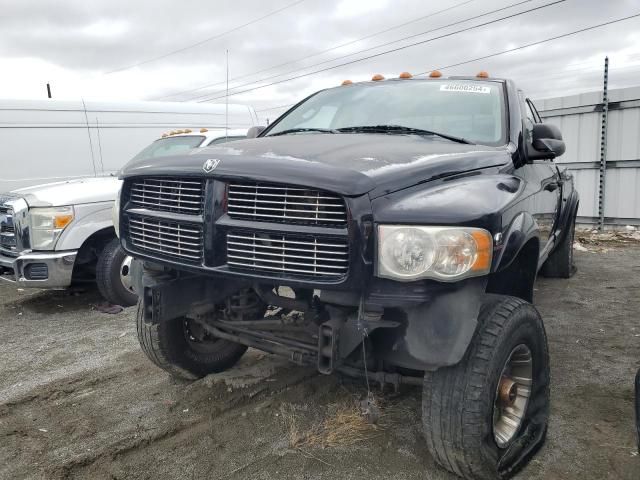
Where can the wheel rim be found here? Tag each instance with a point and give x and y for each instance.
(125, 273)
(512, 395)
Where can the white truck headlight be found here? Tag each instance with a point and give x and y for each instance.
(115, 213)
(407, 252)
(47, 224)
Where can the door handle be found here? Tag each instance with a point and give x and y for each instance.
(551, 187)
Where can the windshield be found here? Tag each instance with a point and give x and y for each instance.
(468, 109)
(170, 146)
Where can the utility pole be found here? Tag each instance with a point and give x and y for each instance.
(603, 146)
(48, 91)
(226, 102)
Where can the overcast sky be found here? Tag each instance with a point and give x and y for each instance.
(83, 47)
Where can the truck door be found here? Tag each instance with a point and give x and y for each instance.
(544, 180)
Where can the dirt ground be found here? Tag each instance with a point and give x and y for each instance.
(78, 399)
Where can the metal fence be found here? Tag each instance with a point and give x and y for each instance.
(580, 118)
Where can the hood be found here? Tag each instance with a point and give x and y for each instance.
(348, 164)
(71, 192)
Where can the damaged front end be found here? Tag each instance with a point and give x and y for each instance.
(395, 333)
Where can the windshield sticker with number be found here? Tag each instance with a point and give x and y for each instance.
(465, 87)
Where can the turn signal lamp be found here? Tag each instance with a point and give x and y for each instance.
(377, 77)
(347, 82)
(482, 74)
(62, 220)
(405, 75)
(435, 74)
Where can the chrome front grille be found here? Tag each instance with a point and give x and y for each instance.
(288, 254)
(164, 238)
(176, 195)
(286, 204)
(7, 229)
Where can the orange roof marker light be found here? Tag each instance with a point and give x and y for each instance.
(347, 82)
(405, 75)
(377, 77)
(482, 74)
(435, 74)
(202, 130)
(187, 130)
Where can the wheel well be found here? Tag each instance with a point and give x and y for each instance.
(518, 278)
(89, 252)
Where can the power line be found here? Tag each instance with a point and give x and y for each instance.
(422, 42)
(201, 42)
(495, 54)
(336, 47)
(274, 108)
(390, 43)
(521, 47)
(585, 70)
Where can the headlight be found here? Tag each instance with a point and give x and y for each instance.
(115, 213)
(448, 254)
(47, 224)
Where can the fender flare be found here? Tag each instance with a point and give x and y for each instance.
(522, 229)
(567, 215)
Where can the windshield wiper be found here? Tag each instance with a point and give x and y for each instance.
(401, 129)
(298, 130)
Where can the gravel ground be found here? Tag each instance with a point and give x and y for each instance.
(79, 400)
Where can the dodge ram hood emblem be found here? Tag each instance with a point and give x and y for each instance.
(211, 164)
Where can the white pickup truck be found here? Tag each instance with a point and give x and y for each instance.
(61, 233)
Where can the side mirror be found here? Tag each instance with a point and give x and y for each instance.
(546, 141)
(253, 132)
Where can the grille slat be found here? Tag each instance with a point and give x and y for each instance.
(7, 230)
(285, 204)
(176, 195)
(166, 238)
(285, 254)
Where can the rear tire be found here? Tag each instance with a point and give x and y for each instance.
(172, 345)
(111, 270)
(560, 263)
(464, 409)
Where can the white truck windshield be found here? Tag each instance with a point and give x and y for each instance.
(170, 146)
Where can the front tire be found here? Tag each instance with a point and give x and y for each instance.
(183, 349)
(112, 275)
(483, 418)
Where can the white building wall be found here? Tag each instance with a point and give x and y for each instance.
(580, 120)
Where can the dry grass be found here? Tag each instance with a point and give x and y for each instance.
(343, 424)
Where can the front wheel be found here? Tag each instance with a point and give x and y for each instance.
(485, 416)
(184, 349)
(113, 275)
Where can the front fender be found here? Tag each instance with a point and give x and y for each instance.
(476, 199)
(89, 218)
(522, 229)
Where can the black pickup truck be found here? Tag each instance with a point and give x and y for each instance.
(391, 228)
